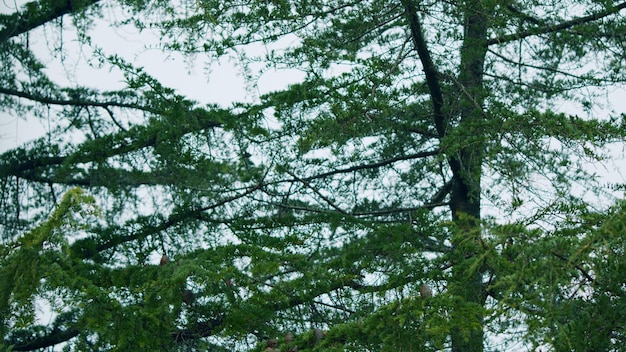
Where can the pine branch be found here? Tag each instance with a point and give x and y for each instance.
(328, 201)
(430, 71)
(582, 271)
(197, 330)
(101, 177)
(20, 162)
(37, 13)
(368, 166)
(55, 337)
(90, 247)
(64, 328)
(75, 102)
(559, 27)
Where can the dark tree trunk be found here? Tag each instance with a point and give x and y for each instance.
(466, 162)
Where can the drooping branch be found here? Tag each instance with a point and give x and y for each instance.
(558, 27)
(37, 13)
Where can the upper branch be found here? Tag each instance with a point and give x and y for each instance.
(555, 28)
(37, 13)
(369, 166)
(430, 71)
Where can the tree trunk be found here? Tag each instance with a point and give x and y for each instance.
(466, 285)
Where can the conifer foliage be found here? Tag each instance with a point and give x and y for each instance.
(425, 185)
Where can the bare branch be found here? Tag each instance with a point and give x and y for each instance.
(316, 191)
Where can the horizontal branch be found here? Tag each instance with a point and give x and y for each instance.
(55, 337)
(198, 330)
(558, 27)
(523, 63)
(392, 211)
(20, 162)
(103, 178)
(74, 102)
(368, 166)
(359, 214)
(13, 163)
(90, 247)
(64, 328)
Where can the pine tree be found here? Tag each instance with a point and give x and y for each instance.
(418, 189)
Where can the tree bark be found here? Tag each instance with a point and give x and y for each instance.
(465, 163)
(466, 285)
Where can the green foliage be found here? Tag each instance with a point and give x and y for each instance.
(425, 186)
(36, 260)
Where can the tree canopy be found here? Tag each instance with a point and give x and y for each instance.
(426, 183)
